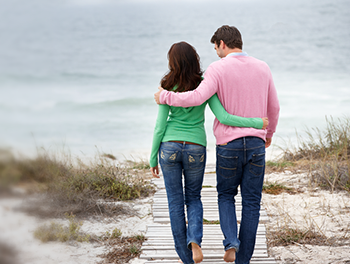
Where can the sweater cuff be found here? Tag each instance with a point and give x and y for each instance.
(269, 135)
(153, 163)
(162, 97)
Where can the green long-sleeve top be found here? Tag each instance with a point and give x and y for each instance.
(187, 124)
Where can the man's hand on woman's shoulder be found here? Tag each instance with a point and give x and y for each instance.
(157, 94)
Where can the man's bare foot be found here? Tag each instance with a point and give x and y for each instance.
(230, 255)
(180, 261)
(197, 254)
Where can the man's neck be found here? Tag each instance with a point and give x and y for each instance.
(235, 50)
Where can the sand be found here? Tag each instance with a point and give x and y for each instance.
(16, 233)
(322, 211)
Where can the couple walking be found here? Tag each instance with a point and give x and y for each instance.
(236, 84)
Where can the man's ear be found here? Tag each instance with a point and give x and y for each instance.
(222, 44)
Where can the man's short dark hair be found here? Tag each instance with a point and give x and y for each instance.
(228, 34)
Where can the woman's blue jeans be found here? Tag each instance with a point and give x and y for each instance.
(176, 159)
(240, 162)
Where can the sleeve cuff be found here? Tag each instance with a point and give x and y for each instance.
(269, 135)
(162, 97)
(153, 163)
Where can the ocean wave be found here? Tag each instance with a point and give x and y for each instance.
(124, 103)
(23, 79)
(90, 76)
(56, 106)
(65, 77)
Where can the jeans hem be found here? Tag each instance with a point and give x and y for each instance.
(237, 249)
(189, 246)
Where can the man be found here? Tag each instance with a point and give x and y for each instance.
(245, 88)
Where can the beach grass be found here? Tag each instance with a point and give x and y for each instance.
(60, 186)
(72, 186)
(289, 236)
(277, 188)
(323, 157)
(121, 249)
(325, 154)
(291, 229)
(59, 232)
(279, 165)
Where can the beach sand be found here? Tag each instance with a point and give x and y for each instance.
(313, 209)
(325, 212)
(16, 233)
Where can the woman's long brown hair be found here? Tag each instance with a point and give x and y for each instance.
(184, 68)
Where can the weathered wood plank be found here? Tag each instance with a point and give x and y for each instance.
(159, 246)
(210, 246)
(215, 261)
(209, 254)
(208, 227)
(165, 218)
(165, 227)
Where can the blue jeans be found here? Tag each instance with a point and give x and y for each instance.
(240, 162)
(176, 159)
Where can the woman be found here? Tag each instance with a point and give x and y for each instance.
(180, 139)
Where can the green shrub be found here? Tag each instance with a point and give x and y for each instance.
(279, 165)
(276, 188)
(213, 222)
(116, 233)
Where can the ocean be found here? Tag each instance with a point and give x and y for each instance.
(79, 75)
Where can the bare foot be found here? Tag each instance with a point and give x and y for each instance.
(197, 254)
(180, 261)
(230, 255)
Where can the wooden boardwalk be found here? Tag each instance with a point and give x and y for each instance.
(159, 246)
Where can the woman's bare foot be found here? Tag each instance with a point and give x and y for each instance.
(197, 254)
(230, 255)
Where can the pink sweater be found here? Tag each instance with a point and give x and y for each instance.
(245, 88)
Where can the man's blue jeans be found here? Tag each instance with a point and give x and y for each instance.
(240, 162)
(177, 159)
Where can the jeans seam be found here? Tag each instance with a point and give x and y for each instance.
(255, 147)
(239, 149)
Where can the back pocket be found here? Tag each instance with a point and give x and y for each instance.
(196, 161)
(167, 157)
(257, 165)
(227, 166)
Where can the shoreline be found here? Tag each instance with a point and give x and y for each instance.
(272, 153)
